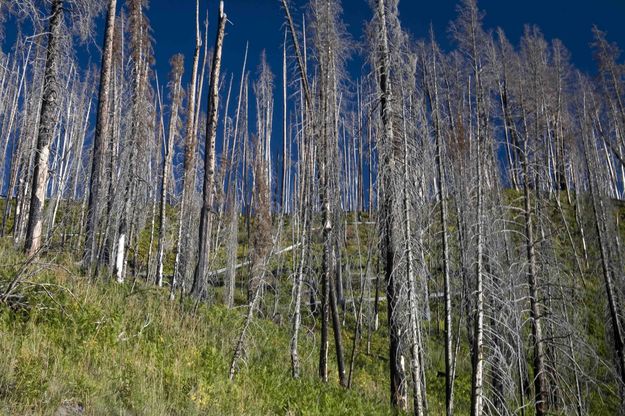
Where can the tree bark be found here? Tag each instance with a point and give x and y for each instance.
(177, 71)
(188, 176)
(398, 394)
(540, 382)
(47, 124)
(598, 210)
(412, 292)
(100, 137)
(432, 92)
(199, 279)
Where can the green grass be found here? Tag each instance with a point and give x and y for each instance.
(119, 349)
(125, 349)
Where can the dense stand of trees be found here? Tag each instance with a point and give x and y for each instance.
(476, 192)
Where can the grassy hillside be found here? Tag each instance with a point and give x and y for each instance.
(70, 345)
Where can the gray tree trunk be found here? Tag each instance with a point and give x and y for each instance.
(188, 176)
(100, 137)
(49, 119)
(199, 279)
(177, 71)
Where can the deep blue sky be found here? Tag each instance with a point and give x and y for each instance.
(261, 23)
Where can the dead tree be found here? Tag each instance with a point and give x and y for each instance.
(140, 53)
(601, 222)
(305, 188)
(433, 97)
(387, 208)
(190, 139)
(100, 137)
(47, 124)
(177, 64)
(201, 271)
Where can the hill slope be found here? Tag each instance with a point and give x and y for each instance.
(71, 346)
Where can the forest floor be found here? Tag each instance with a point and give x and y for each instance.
(74, 346)
(70, 345)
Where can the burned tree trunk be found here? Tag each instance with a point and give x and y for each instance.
(387, 217)
(101, 135)
(199, 279)
(48, 120)
(177, 64)
(188, 176)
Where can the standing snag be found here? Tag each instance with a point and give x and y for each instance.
(201, 271)
(47, 126)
